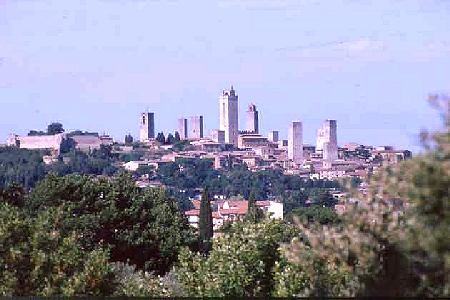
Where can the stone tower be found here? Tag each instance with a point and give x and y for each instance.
(196, 131)
(295, 143)
(146, 126)
(252, 119)
(183, 128)
(229, 116)
(327, 138)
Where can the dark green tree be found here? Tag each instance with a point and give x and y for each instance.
(67, 145)
(55, 128)
(254, 213)
(205, 224)
(129, 139)
(36, 133)
(177, 137)
(161, 138)
(170, 139)
(141, 226)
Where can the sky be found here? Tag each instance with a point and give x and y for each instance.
(96, 64)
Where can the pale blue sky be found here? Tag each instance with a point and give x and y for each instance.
(95, 64)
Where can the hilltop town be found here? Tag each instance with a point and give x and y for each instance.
(224, 149)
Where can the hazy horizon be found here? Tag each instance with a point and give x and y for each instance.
(95, 65)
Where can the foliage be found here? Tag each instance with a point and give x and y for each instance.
(21, 166)
(98, 162)
(161, 138)
(254, 213)
(394, 241)
(239, 265)
(142, 227)
(55, 128)
(36, 133)
(170, 140)
(129, 139)
(315, 213)
(177, 137)
(136, 283)
(68, 144)
(205, 224)
(26, 167)
(191, 174)
(35, 259)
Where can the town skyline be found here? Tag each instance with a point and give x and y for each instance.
(309, 133)
(95, 66)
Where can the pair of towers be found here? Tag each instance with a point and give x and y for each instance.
(196, 127)
(326, 141)
(229, 116)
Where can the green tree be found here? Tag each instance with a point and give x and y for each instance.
(177, 137)
(161, 138)
(36, 133)
(55, 128)
(240, 263)
(170, 139)
(68, 144)
(129, 139)
(36, 260)
(394, 242)
(205, 224)
(315, 213)
(142, 227)
(254, 213)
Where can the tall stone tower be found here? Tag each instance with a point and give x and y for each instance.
(183, 128)
(147, 126)
(295, 143)
(229, 116)
(327, 140)
(196, 127)
(252, 119)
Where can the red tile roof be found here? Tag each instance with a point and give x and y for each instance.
(192, 212)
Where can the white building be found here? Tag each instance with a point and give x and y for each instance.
(229, 116)
(40, 142)
(295, 143)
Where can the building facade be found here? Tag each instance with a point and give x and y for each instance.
(183, 128)
(196, 127)
(252, 119)
(274, 136)
(229, 121)
(146, 126)
(295, 143)
(218, 136)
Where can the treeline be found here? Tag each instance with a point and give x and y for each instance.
(184, 178)
(80, 235)
(188, 175)
(26, 167)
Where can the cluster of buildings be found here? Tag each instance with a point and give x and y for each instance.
(232, 210)
(228, 144)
